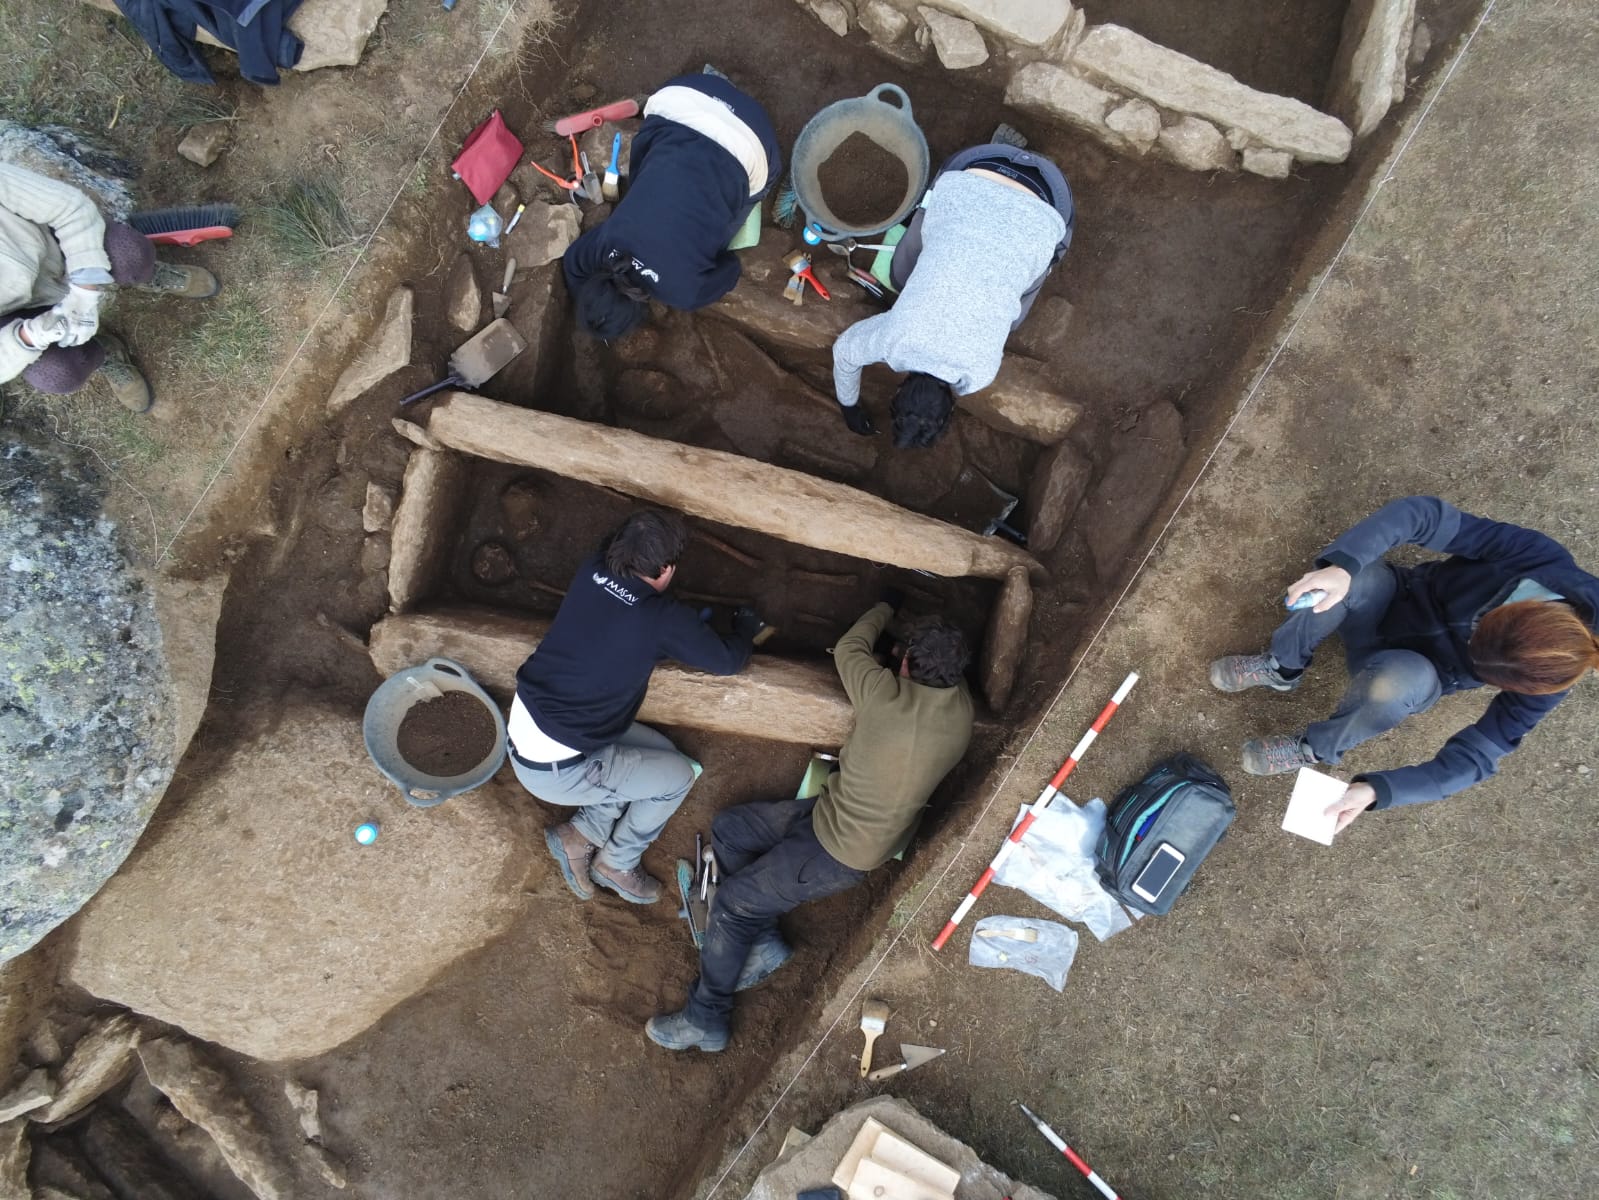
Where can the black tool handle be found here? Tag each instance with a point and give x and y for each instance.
(450, 380)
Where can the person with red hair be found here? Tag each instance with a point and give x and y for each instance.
(1509, 608)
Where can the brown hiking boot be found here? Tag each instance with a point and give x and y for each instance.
(187, 283)
(126, 381)
(573, 853)
(635, 886)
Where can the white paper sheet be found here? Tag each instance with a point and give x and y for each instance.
(1307, 807)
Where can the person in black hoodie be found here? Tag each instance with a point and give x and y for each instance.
(572, 736)
(703, 158)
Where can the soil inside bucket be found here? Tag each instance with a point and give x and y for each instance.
(862, 183)
(446, 735)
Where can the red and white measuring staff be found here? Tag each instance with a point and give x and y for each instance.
(1072, 1156)
(1051, 790)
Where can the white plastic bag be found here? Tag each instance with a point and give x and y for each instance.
(1049, 956)
(1054, 864)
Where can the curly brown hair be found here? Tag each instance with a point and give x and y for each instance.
(936, 652)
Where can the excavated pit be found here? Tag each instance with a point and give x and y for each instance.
(524, 1067)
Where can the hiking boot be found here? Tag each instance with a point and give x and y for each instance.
(573, 853)
(768, 953)
(635, 886)
(674, 1031)
(1240, 672)
(187, 283)
(1276, 755)
(126, 381)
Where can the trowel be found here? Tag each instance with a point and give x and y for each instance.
(914, 1056)
(478, 359)
(501, 299)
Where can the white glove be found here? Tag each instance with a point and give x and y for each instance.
(81, 312)
(46, 329)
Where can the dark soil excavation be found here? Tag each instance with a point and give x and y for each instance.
(447, 735)
(862, 183)
(524, 1071)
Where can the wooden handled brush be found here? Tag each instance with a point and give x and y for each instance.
(874, 1018)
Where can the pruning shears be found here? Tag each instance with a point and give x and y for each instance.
(576, 182)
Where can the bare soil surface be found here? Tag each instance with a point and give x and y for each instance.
(447, 735)
(862, 183)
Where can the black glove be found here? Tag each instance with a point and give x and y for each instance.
(894, 598)
(857, 420)
(747, 623)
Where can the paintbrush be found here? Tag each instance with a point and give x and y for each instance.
(874, 1018)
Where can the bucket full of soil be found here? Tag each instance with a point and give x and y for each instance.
(860, 165)
(434, 732)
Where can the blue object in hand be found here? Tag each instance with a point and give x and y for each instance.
(1307, 600)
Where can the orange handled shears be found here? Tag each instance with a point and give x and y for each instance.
(573, 184)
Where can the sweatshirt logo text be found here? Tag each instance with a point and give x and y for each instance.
(615, 589)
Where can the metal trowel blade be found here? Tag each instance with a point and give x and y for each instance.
(915, 1056)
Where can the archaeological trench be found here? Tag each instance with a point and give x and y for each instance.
(472, 1029)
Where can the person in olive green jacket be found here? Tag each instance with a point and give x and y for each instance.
(913, 722)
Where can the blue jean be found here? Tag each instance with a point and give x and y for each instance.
(624, 793)
(1386, 684)
(771, 864)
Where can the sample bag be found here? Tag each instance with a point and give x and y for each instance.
(1159, 831)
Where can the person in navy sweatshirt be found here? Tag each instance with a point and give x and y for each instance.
(703, 158)
(572, 737)
(1508, 608)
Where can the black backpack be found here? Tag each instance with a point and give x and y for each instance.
(1159, 831)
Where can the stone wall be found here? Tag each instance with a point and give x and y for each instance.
(1139, 97)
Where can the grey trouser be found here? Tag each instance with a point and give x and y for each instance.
(624, 793)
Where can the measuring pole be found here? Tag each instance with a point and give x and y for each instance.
(1072, 1157)
(1051, 790)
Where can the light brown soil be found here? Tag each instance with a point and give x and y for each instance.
(862, 183)
(447, 735)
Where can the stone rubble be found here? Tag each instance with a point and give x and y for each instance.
(14, 1155)
(305, 1103)
(1026, 22)
(377, 514)
(386, 351)
(883, 23)
(955, 40)
(1197, 145)
(1273, 164)
(832, 14)
(103, 1058)
(204, 143)
(1138, 121)
(35, 1091)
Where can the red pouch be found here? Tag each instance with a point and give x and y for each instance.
(488, 158)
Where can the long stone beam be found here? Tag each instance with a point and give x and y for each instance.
(723, 487)
(772, 698)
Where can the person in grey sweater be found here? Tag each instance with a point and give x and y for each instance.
(994, 224)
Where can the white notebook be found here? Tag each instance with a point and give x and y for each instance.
(1307, 807)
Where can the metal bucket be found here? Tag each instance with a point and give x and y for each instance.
(403, 691)
(890, 126)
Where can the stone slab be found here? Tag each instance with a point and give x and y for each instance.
(1025, 22)
(250, 917)
(812, 1162)
(773, 698)
(956, 40)
(1006, 639)
(1368, 75)
(883, 23)
(35, 1091)
(1059, 480)
(424, 521)
(385, 351)
(1122, 59)
(720, 486)
(1054, 93)
(463, 298)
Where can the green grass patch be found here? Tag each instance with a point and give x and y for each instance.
(311, 222)
(230, 345)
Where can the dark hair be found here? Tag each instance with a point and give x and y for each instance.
(921, 410)
(612, 301)
(936, 652)
(1534, 647)
(645, 544)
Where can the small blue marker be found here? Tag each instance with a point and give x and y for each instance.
(1306, 600)
(366, 833)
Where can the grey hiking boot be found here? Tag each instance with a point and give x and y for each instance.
(674, 1031)
(1240, 672)
(126, 381)
(573, 853)
(1276, 755)
(187, 283)
(635, 886)
(768, 953)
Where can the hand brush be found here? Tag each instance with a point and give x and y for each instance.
(187, 226)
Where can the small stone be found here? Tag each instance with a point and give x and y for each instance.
(102, 1059)
(33, 1092)
(1055, 93)
(883, 22)
(327, 1166)
(519, 505)
(1273, 164)
(583, 91)
(1234, 1117)
(924, 36)
(463, 299)
(832, 14)
(958, 43)
(1584, 769)
(1195, 144)
(305, 1103)
(544, 234)
(1138, 121)
(492, 564)
(378, 512)
(14, 1155)
(376, 550)
(204, 144)
(1210, 1091)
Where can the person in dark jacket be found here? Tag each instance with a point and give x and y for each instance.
(1508, 608)
(913, 722)
(572, 737)
(703, 158)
